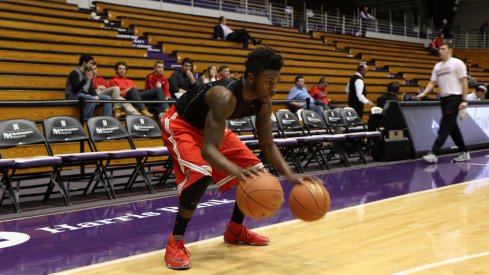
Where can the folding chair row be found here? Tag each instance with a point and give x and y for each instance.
(58, 130)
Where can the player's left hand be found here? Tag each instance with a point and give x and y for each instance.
(251, 172)
(462, 105)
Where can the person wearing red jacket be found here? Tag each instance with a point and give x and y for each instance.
(130, 92)
(320, 93)
(102, 87)
(157, 79)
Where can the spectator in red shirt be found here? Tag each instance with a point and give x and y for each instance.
(102, 87)
(320, 93)
(130, 92)
(157, 79)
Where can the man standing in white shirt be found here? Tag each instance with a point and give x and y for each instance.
(222, 31)
(451, 76)
(357, 92)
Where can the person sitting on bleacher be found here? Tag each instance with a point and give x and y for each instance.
(320, 93)
(183, 80)
(222, 31)
(102, 87)
(130, 92)
(209, 75)
(299, 91)
(157, 79)
(479, 94)
(223, 72)
(392, 91)
(79, 85)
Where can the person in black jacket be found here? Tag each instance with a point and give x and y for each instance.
(392, 91)
(79, 85)
(356, 90)
(222, 31)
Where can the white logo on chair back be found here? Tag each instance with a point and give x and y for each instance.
(16, 126)
(141, 120)
(104, 123)
(63, 123)
(8, 239)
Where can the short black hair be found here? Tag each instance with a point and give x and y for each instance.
(297, 78)
(448, 44)
(187, 60)
(116, 66)
(221, 18)
(84, 58)
(393, 87)
(262, 59)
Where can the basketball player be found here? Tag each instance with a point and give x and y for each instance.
(205, 152)
(451, 76)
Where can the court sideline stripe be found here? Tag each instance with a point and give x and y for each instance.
(441, 263)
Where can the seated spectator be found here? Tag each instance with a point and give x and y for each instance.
(391, 94)
(320, 93)
(222, 31)
(102, 87)
(79, 85)
(432, 47)
(209, 75)
(300, 92)
(157, 80)
(479, 94)
(130, 92)
(183, 80)
(233, 74)
(223, 72)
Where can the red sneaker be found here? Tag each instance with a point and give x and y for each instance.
(176, 255)
(239, 234)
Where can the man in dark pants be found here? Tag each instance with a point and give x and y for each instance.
(451, 76)
(222, 31)
(357, 91)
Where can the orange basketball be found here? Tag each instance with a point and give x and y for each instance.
(260, 196)
(309, 201)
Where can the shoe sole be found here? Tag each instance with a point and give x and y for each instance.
(243, 243)
(431, 161)
(178, 267)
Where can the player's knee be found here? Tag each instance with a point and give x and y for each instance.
(190, 197)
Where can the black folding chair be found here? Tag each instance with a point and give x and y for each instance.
(354, 123)
(5, 183)
(143, 127)
(63, 130)
(309, 147)
(104, 129)
(315, 125)
(22, 132)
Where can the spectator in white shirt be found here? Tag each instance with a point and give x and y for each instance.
(222, 31)
(365, 17)
(479, 94)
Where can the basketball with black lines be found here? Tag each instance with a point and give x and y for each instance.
(260, 196)
(309, 201)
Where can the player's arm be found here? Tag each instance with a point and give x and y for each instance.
(427, 90)
(465, 91)
(267, 147)
(221, 104)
